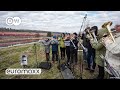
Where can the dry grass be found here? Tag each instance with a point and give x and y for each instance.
(10, 58)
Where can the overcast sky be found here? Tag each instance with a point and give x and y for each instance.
(60, 21)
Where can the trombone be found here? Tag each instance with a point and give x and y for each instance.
(73, 44)
(84, 48)
(93, 36)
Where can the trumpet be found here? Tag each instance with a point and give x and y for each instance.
(85, 49)
(73, 44)
(71, 39)
(91, 35)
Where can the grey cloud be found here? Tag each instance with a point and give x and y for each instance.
(58, 20)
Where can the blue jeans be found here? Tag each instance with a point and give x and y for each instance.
(91, 59)
(85, 55)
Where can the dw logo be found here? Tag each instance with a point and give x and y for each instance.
(13, 21)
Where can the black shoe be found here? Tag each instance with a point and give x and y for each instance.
(98, 77)
(71, 63)
(87, 68)
(47, 60)
(95, 78)
(92, 70)
(85, 61)
(75, 63)
(68, 64)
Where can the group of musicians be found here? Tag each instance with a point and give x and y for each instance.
(93, 43)
(93, 40)
(68, 44)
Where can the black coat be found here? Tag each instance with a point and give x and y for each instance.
(86, 43)
(75, 41)
(84, 40)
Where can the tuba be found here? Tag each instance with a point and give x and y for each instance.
(107, 26)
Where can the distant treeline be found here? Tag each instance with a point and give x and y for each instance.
(21, 30)
(24, 30)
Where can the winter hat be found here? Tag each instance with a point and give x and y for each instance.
(54, 37)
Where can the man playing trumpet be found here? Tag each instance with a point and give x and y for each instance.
(94, 34)
(91, 50)
(100, 49)
(73, 48)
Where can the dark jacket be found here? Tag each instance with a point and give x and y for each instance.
(54, 44)
(89, 46)
(75, 41)
(67, 42)
(84, 40)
